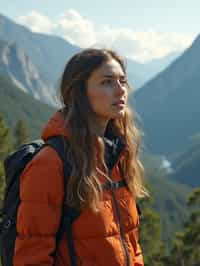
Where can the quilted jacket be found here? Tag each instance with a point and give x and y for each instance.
(106, 238)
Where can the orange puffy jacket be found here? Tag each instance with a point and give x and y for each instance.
(106, 238)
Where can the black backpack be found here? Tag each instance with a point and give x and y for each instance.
(14, 165)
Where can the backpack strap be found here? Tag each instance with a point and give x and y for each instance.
(60, 144)
(68, 218)
(138, 209)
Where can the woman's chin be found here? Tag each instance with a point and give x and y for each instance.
(119, 114)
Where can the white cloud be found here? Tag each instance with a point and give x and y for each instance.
(139, 45)
(37, 22)
(144, 46)
(77, 29)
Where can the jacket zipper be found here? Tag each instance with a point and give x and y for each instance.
(123, 242)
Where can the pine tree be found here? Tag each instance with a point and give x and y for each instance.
(186, 247)
(154, 250)
(5, 139)
(5, 148)
(21, 133)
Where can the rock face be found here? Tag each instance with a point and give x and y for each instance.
(42, 58)
(24, 74)
(48, 53)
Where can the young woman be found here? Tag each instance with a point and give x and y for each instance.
(106, 176)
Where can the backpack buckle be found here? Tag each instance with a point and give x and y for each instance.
(7, 224)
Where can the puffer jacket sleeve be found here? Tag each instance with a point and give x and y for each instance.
(41, 195)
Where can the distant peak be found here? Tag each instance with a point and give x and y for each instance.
(197, 39)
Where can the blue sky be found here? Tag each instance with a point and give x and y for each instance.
(141, 29)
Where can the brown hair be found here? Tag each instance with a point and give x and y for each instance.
(84, 187)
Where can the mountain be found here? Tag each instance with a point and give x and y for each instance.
(186, 166)
(158, 65)
(20, 69)
(48, 53)
(140, 73)
(168, 105)
(15, 105)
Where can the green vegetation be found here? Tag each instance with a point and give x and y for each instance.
(154, 249)
(168, 198)
(21, 133)
(5, 148)
(186, 245)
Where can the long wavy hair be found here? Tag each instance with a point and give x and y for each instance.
(84, 187)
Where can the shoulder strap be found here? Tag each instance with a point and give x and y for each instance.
(138, 209)
(60, 144)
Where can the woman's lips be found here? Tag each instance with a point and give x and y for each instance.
(120, 102)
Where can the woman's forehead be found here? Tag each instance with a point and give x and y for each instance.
(110, 68)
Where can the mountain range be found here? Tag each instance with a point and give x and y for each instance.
(43, 57)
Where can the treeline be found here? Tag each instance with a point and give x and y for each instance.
(9, 141)
(185, 247)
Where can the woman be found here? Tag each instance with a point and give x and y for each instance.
(106, 175)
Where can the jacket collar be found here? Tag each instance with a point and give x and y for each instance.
(113, 144)
(113, 149)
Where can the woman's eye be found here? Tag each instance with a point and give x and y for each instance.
(106, 82)
(123, 81)
(111, 81)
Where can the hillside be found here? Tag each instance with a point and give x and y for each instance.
(186, 166)
(169, 104)
(15, 105)
(167, 196)
(24, 74)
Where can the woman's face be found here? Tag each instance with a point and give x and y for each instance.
(107, 90)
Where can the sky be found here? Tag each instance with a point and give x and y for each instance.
(140, 29)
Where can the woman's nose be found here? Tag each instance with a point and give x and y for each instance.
(120, 88)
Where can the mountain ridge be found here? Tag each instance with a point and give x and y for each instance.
(168, 104)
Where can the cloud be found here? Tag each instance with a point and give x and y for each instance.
(77, 29)
(139, 45)
(145, 45)
(37, 22)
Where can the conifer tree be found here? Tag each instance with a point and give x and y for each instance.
(5, 148)
(21, 133)
(154, 250)
(5, 139)
(186, 246)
